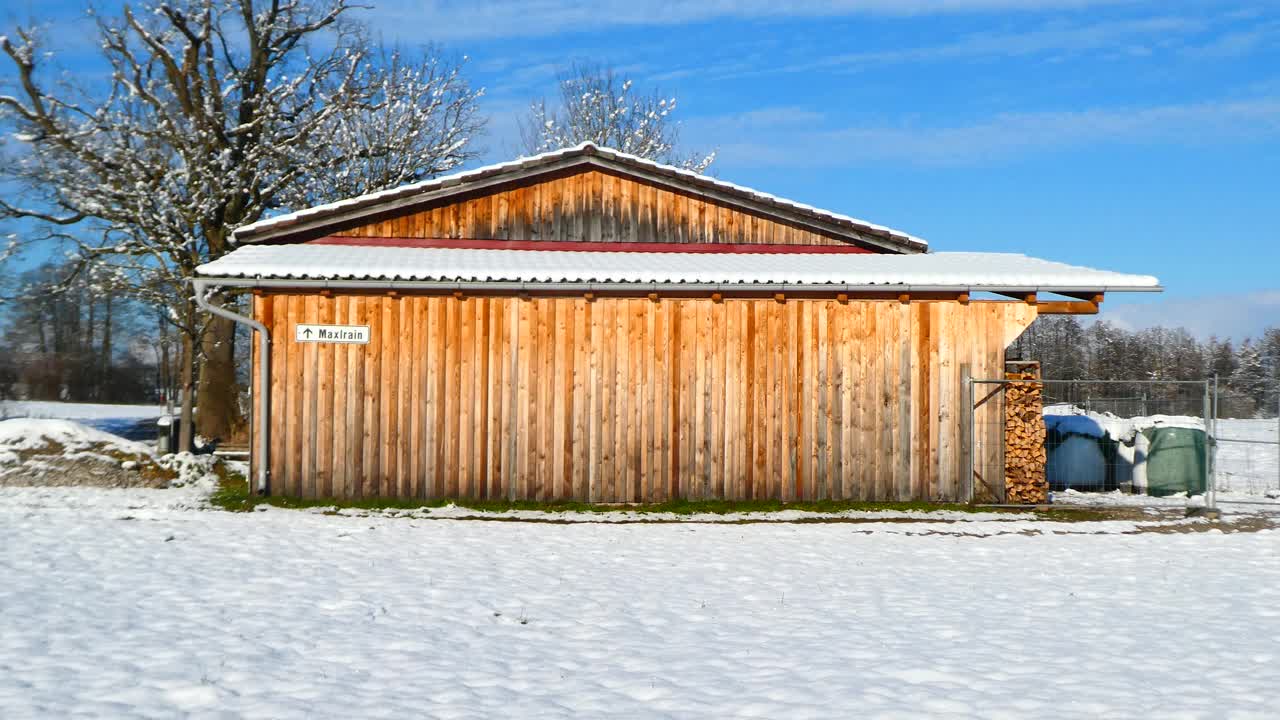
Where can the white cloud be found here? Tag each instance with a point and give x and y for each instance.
(1235, 316)
(1136, 36)
(1238, 43)
(807, 143)
(513, 18)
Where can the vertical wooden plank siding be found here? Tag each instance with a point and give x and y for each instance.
(631, 399)
(591, 205)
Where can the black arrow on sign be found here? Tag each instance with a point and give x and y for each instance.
(307, 332)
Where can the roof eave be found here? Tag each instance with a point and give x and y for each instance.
(593, 286)
(670, 178)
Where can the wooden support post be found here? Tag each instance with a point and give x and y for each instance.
(780, 297)
(967, 432)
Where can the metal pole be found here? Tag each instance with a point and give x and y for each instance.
(1208, 443)
(1213, 449)
(973, 436)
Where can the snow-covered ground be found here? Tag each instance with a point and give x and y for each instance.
(135, 422)
(120, 603)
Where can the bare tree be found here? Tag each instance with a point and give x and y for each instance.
(597, 105)
(216, 113)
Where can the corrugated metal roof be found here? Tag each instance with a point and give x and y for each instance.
(587, 151)
(961, 270)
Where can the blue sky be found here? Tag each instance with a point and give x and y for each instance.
(1129, 135)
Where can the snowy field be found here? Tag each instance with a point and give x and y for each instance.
(120, 603)
(134, 422)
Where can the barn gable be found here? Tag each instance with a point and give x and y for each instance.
(584, 194)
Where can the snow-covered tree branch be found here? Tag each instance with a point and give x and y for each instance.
(217, 112)
(597, 105)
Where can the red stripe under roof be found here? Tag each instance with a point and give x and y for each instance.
(640, 247)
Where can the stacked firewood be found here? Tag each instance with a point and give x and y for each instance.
(1024, 453)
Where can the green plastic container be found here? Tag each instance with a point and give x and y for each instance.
(1175, 461)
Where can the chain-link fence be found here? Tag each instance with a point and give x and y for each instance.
(1144, 438)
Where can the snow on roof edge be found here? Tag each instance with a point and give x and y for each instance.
(970, 271)
(585, 148)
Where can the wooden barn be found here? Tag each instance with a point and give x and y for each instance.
(589, 325)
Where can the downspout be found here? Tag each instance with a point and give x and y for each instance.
(262, 426)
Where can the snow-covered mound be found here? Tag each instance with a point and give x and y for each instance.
(1073, 420)
(32, 434)
(64, 452)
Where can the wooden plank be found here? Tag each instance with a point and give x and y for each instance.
(821, 408)
(623, 402)
(544, 421)
(451, 397)
(355, 434)
(512, 406)
(608, 368)
(682, 394)
(643, 344)
(294, 428)
(405, 351)
(792, 387)
(495, 356)
(595, 401)
(716, 411)
(279, 393)
(464, 437)
(324, 436)
(837, 317)
(773, 392)
(388, 431)
(804, 406)
(432, 411)
(662, 430)
(561, 400)
(579, 441)
(524, 387)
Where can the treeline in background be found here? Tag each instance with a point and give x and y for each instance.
(77, 339)
(1248, 371)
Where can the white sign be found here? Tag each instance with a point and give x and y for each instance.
(348, 334)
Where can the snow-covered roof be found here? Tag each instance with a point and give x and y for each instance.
(585, 153)
(961, 270)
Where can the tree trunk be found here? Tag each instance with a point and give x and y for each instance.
(188, 383)
(104, 370)
(217, 394)
(95, 387)
(165, 371)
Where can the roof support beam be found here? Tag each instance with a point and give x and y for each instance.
(1067, 307)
